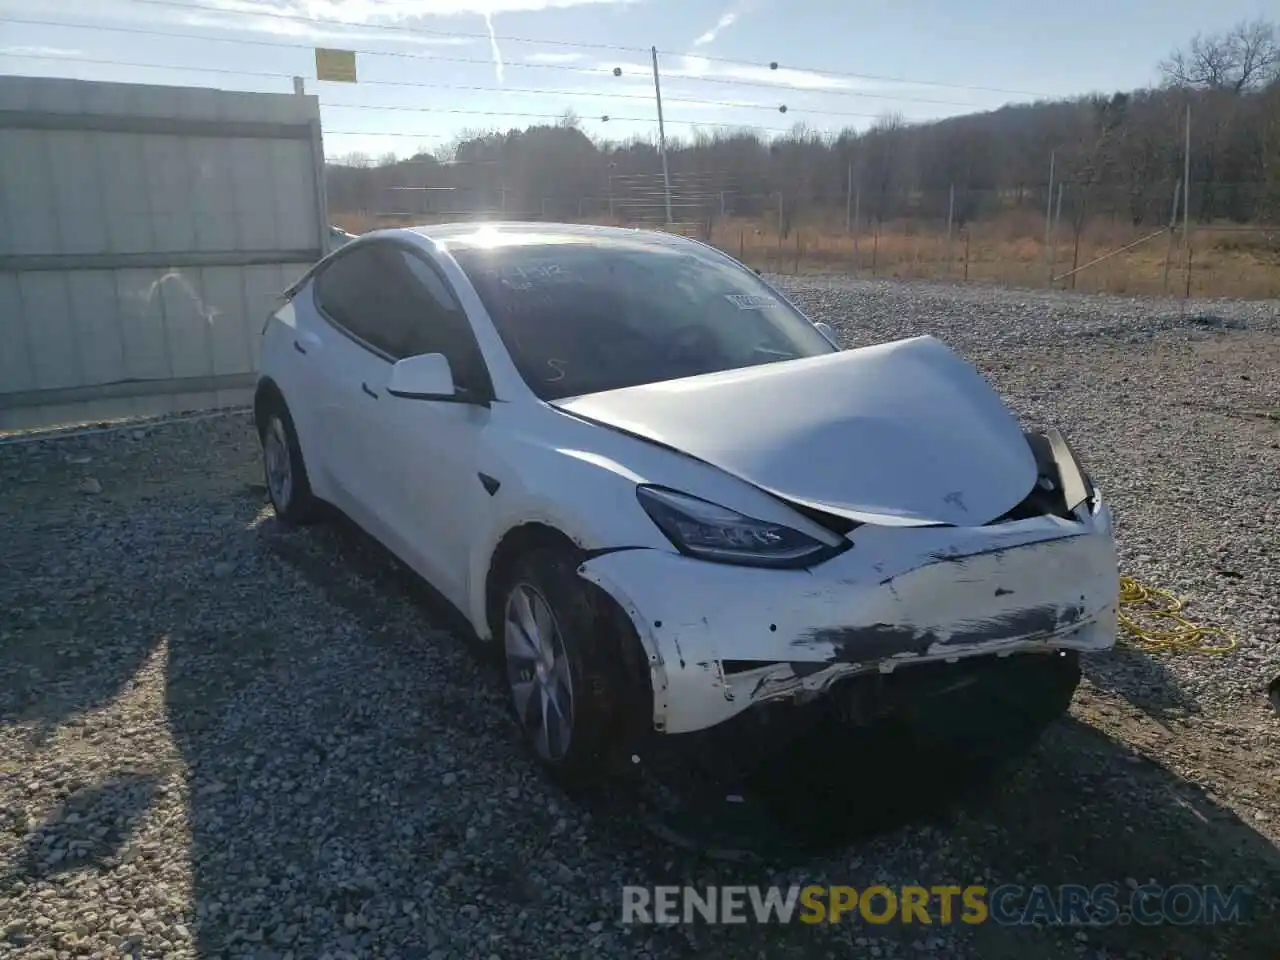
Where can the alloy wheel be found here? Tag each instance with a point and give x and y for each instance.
(275, 451)
(538, 671)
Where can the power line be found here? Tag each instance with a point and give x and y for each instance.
(470, 60)
(401, 28)
(275, 75)
(412, 109)
(179, 35)
(688, 101)
(546, 66)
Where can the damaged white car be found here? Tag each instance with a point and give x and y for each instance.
(667, 498)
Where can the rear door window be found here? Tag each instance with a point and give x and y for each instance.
(397, 303)
(345, 290)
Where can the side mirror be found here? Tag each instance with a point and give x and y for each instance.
(827, 332)
(424, 377)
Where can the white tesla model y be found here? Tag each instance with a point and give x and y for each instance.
(668, 498)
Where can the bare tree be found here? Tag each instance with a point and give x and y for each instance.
(1246, 57)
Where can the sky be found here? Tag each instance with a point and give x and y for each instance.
(429, 71)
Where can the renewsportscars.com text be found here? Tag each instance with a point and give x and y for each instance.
(1006, 905)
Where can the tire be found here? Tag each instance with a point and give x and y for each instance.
(560, 661)
(283, 469)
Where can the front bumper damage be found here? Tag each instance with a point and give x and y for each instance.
(721, 639)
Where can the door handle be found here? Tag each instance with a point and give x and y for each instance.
(305, 340)
(365, 388)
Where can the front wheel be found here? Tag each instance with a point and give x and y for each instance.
(557, 666)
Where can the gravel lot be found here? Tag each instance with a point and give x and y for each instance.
(224, 738)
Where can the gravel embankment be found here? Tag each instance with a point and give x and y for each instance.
(218, 737)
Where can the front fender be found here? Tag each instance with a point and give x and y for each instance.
(587, 497)
(581, 479)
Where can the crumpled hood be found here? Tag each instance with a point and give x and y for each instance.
(904, 433)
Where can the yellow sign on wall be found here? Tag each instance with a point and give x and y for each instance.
(336, 65)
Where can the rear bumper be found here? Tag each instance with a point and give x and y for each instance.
(720, 639)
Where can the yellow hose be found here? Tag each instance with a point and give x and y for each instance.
(1152, 603)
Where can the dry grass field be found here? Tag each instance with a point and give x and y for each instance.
(1011, 250)
(1225, 260)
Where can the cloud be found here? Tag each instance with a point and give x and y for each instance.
(38, 51)
(319, 34)
(691, 67)
(554, 57)
(493, 46)
(391, 11)
(726, 20)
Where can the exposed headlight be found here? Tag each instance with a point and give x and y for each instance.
(712, 532)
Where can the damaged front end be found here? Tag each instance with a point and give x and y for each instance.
(979, 708)
(901, 605)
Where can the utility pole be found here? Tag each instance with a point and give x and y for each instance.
(857, 221)
(1053, 249)
(1186, 181)
(662, 134)
(848, 201)
(951, 212)
(1048, 211)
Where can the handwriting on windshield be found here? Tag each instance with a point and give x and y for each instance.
(745, 301)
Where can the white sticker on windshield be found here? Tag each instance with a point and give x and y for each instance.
(748, 302)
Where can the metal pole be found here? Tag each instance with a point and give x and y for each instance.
(1057, 219)
(857, 220)
(1186, 198)
(848, 201)
(951, 210)
(319, 191)
(1048, 212)
(1173, 230)
(1186, 182)
(662, 134)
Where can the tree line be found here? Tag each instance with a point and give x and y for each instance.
(1116, 155)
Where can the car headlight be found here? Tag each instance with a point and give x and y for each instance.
(709, 531)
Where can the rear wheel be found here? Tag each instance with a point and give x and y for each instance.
(284, 471)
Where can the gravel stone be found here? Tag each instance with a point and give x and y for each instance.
(221, 737)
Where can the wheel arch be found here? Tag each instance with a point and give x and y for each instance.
(265, 394)
(515, 543)
(614, 624)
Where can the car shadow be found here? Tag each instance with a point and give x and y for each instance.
(1142, 679)
(65, 654)
(342, 756)
(304, 738)
(1077, 808)
(1085, 809)
(87, 830)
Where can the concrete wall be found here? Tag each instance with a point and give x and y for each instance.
(144, 234)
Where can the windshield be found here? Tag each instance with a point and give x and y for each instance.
(583, 317)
